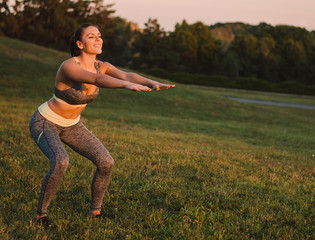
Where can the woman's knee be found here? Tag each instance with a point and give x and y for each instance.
(61, 162)
(105, 163)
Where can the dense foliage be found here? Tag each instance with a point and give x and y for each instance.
(262, 57)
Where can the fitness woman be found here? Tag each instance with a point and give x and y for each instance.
(58, 120)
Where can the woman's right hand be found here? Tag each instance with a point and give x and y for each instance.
(137, 87)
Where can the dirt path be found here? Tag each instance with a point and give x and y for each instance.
(280, 104)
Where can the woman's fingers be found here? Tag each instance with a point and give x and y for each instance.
(137, 87)
(167, 86)
(163, 86)
(142, 88)
(159, 86)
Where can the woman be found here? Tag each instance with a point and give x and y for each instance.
(58, 120)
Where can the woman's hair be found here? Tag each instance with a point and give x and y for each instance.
(75, 51)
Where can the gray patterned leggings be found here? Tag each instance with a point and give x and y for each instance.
(49, 137)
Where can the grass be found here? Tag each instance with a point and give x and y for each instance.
(190, 163)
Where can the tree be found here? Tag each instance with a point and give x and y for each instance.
(230, 65)
(197, 48)
(245, 46)
(185, 43)
(51, 22)
(117, 45)
(153, 48)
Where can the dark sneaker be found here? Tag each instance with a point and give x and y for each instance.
(44, 222)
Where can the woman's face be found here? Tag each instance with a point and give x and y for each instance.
(91, 41)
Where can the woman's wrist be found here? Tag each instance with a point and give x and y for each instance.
(153, 84)
(127, 84)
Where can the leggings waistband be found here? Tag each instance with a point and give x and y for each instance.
(50, 115)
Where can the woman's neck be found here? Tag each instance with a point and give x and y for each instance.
(86, 60)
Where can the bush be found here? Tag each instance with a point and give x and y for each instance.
(311, 90)
(247, 83)
(183, 77)
(157, 72)
(200, 79)
(250, 83)
(290, 87)
(219, 81)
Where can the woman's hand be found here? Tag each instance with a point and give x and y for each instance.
(137, 87)
(157, 86)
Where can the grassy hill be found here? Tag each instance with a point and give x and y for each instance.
(190, 163)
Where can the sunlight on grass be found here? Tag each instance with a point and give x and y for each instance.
(190, 163)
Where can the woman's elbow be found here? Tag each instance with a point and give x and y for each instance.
(98, 80)
(130, 76)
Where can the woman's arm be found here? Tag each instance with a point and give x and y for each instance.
(106, 81)
(74, 72)
(135, 78)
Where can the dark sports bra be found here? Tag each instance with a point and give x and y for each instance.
(75, 95)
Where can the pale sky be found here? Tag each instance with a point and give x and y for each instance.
(299, 13)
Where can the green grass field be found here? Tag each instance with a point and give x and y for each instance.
(190, 163)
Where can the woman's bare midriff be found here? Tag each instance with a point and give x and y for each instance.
(63, 110)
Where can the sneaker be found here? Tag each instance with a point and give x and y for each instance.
(44, 222)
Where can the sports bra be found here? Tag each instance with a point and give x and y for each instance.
(75, 95)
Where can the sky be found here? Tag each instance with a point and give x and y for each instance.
(299, 13)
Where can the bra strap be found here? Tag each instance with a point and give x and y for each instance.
(76, 60)
(97, 67)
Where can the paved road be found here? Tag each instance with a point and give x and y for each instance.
(280, 104)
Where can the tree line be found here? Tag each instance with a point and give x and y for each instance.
(263, 57)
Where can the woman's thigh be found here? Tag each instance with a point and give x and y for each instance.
(46, 136)
(81, 140)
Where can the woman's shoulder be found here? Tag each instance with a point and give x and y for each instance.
(104, 66)
(68, 63)
(70, 60)
(67, 67)
(102, 63)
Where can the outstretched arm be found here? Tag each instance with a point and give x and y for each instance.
(74, 72)
(106, 81)
(135, 78)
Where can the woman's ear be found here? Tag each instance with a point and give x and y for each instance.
(79, 44)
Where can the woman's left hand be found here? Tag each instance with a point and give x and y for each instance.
(157, 86)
